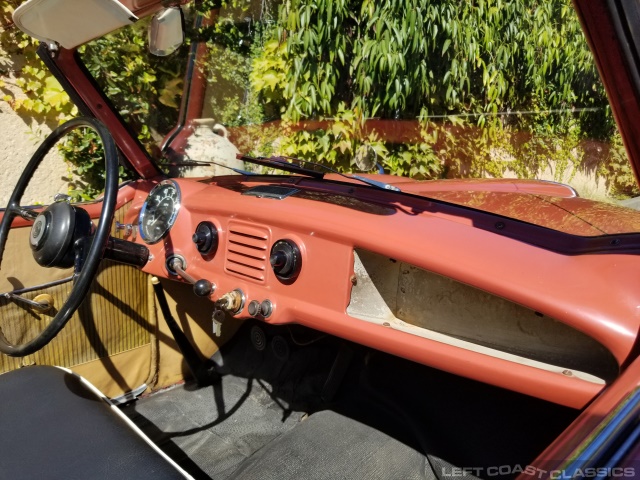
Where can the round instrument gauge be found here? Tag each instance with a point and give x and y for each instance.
(159, 211)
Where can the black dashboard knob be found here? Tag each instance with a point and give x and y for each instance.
(285, 259)
(199, 238)
(206, 238)
(203, 288)
(278, 260)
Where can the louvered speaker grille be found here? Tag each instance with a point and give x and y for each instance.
(247, 251)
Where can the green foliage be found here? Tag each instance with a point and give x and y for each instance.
(145, 89)
(230, 48)
(269, 71)
(335, 146)
(396, 58)
(83, 149)
(491, 87)
(623, 183)
(429, 59)
(44, 95)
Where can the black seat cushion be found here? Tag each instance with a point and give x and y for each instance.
(53, 426)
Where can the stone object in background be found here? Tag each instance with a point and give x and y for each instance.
(209, 143)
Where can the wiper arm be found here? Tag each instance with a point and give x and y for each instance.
(285, 163)
(373, 183)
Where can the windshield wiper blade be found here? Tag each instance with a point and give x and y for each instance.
(281, 163)
(193, 163)
(285, 163)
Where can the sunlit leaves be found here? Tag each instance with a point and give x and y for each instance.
(391, 58)
(170, 93)
(402, 59)
(54, 95)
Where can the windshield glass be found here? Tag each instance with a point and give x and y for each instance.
(441, 90)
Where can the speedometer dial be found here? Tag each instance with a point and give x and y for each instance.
(159, 211)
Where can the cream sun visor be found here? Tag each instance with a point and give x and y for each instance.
(71, 23)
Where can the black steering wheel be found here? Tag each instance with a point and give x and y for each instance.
(63, 235)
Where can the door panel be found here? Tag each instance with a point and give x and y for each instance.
(117, 321)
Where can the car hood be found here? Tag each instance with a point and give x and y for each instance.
(546, 204)
(575, 216)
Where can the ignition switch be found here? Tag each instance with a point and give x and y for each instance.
(231, 302)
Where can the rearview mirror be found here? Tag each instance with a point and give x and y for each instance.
(365, 157)
(166, 32)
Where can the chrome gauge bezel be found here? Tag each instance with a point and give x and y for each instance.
(142, 218)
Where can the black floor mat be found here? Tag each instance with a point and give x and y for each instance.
(263, 393)
(209, 431)
(329, 446)
(365, 406)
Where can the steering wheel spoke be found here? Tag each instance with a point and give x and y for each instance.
(26, 213)
(81, 249)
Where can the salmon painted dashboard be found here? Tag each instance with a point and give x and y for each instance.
(326, 254)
